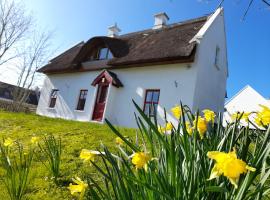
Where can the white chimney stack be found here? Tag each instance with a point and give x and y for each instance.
(160, 20)
(113, 31)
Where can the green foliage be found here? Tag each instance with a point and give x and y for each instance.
(16, 164)
(180, 168)
(51, 149)
(74, 135)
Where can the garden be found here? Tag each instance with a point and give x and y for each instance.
(197, 159)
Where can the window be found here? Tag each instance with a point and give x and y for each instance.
(82, 99)
(104, 53)
(151, 102)
(53, 98)
(217, 57)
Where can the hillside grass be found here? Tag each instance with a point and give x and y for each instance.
(75, 137)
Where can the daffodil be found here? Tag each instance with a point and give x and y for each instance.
(244, 116)
(189, 128)
(168, 127)
(80, 187)
(8, 142)
(228, 165)
(201, 126)
(209, 115)
(263, 117)
(119, 141)
(176, 111)
(140, 160)
(88, 155)
(35, 140)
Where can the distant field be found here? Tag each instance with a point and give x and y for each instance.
(75, 136)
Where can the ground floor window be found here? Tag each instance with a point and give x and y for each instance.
(151, 102)
(82, 99)
(53, 98)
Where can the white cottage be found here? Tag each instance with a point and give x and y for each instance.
(157, 68)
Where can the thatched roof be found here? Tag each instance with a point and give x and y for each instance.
(149, 47)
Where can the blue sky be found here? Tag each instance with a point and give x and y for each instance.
(248, 41)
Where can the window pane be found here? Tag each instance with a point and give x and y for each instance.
(153, 109)
(155, 96)
(103, 53)
(146, 109)
(149, 96)
(110, 56)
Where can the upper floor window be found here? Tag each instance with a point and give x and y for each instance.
(217, 57)
(151, 102)
(82, 99)
(53, 98)
(104, 53)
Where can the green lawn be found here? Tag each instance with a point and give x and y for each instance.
(75, 136)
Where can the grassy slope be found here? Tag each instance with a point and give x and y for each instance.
(75, 136)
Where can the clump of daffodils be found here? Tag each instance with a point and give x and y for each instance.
(199, 122)
(185, 154)
(228, 165)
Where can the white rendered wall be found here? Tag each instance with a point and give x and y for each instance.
(69, 86)
(210, 87)
(137, 80)
(176, 82)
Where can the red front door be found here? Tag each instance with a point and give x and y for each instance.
(100, 101)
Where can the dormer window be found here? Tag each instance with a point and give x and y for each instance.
(104, 53)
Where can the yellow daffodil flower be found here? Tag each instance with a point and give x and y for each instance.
(189, 128)
(119, 141)
(80, 187)
(168, 127)
(8, 142)
(209, 115)
(176, 111)
(35, 140)
(263, 117)
(245, 116)
(88, 155)
(140, 160)
(201, 126)
(228, 165)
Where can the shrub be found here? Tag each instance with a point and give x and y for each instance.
(197, 159)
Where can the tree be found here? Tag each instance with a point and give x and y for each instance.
(35, 54)
(24, 45)
(14, 24)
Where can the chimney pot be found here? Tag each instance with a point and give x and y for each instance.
(113, 31)
(160, 20)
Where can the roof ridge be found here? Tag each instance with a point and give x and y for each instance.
(243, 89)
(169, 26)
